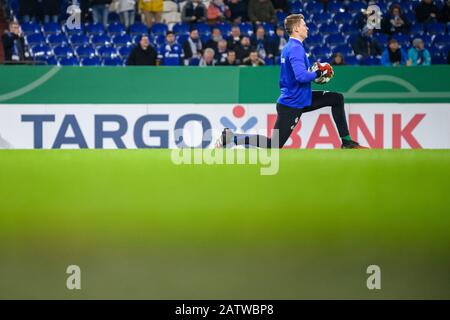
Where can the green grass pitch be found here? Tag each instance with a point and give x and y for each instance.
(141, 227)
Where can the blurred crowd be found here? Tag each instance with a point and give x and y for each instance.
(227, 32)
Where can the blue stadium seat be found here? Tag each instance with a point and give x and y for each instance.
(50, 60)
(93, 61)
(328, 29)
(180, 28)
(203, 28)
(342, 18)
(204, 38)
(72, 61)
(159, 40)
(35, 39)
(122, 40)
(403, 40)
(295, 7)
(113, 62)
(78, 39)
(57, 39)
(100, 40)
(30, 27)
(194, 61)
(281, 16)
(63, 51)
(268, 61)
(314, 40)
(417, 28)
(107, 52)
(41, 50)
(438, 58)
(225, 29)
(138, 29)
(351, 60)
(321, 52)
(344, 49)
(381, 38)
(182, 38)
(335, 6)
(159, 29)
(116, 28)
(85, 51)
(349, 29)
(313, 7)
(355, 6)
(246, 28)
(124, 51)
(171, 61)
(435, 28)
(323, 18)
(312, 29)
(335, 40)
(441, 41)
(94, 29)
(372, 61)
(51, 28)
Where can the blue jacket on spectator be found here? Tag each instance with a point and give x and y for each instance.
(419, 58)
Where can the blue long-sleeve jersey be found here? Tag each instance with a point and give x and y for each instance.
(295, 79)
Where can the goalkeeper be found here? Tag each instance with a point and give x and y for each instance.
(296, 96)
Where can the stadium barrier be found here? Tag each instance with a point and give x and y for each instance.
(53, 107)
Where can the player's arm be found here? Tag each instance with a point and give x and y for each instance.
(302, 74)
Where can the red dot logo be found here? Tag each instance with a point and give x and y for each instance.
(238, 111)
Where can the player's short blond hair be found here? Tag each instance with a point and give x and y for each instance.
(291, 21)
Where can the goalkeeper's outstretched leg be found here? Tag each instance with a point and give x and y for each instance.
(288, 118)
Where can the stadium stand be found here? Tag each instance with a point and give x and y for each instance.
(333, 27)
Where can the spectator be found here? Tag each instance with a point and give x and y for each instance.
(366, 46)
(215, 38)
(393, 55)
(418, 55)
(50, 9)
(171, 53)
(231, 59)
(14, 44)
(244, 49)
(448, 57)
(194, 11)
(100, 11)
(395, 21)
(208, 58)
(280, 5)
(28, 9)
(279, 41)
(253, 60)
(234, 40)
(261, 11)
(127, 12)
(217, 12)
(151, 10)
(444, 15)
(193, 46)
(143, 54)
(426, 11)
(337, 59)
(221, 53)
(238, 10)
(261, 44)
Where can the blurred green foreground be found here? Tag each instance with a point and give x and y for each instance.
(142, 227)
